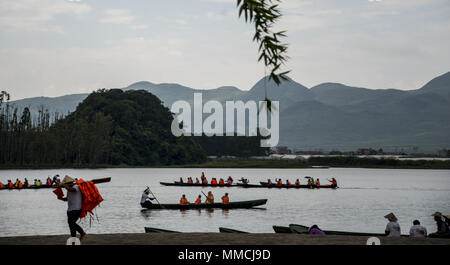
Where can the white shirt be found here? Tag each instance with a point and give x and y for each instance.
(145, 198)
(393, 228)
(417, 231)
(74, 199)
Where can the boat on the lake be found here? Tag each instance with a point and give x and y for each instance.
(229, 230)
(185, 184)
(231, 205)
(293, 186)
(158, 230)
(45, 186)
(282, 229)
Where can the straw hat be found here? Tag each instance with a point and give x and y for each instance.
(438, 214)
(391, 217)
(67, 180)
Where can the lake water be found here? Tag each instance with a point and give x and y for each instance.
(365, 196)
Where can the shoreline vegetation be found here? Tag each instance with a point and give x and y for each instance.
(313, 162)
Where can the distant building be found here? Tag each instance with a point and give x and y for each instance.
(283, 150)
(444, 153)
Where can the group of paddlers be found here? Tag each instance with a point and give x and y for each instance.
(209, 199)
(18, 184)
(146, 198)
(203, 180)
(310, 182)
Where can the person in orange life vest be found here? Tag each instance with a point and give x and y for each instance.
(230, 180)
(205, 181)
(202, 177)
(297, 182)
(225, 199)
(20, 185)
(221, 181)
(214, 181)
(279, 183)
(317, 182)
(49, 181)
(210, 198)
(2, 185)
(288, 183)
(183, 200)
(74, 205)
(10, 185)
(333, 182)
(199, 200)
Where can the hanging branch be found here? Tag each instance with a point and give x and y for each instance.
(264, 14)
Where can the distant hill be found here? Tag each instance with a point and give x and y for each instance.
(327, 116)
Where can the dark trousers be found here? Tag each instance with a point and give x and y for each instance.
(72, 218)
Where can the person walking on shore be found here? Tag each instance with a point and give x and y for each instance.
(392, 228)
(74, 206)
(417, 230)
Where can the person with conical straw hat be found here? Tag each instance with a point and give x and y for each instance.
(74, 206)
(392, 228)
(442, 227)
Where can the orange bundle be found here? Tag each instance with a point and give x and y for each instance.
(91, 196)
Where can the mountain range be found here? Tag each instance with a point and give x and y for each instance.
(329, 116)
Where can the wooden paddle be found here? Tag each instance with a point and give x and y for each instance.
(155, 197)
(206, 197)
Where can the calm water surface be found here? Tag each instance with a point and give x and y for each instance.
(365, 196)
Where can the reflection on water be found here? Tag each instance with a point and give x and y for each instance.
(365, 196)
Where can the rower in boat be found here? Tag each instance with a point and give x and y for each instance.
(49, 181)
(317, 182)
(297, 183)
(269, 182)
(288, 183)
(210, 198)
(199, 200)
(279, 183)
(145, 198)
(333, 182)
(183, 200)
(213, 181)
(16, 184)
(190, 180)
(392, 228)
(26, 184)
(197, 181)
(10, 185)
(229, 180)
(244, 181)
(181, 180)
(225, 199)
(2, 186)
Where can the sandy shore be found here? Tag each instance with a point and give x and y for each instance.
(216, 239)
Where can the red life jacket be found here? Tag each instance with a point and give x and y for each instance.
(91, 196)
(221, 182)
(2, 185)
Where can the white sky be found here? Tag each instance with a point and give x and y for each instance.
(58, 47)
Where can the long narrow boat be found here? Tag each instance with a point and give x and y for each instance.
(301, 229)
(45, 186)
(242, 185)
(229, 230)
(282, 229)
(231, 205)
(293, 186)
(158, 230)
(184, 184)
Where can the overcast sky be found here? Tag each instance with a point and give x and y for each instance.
(58, 47)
